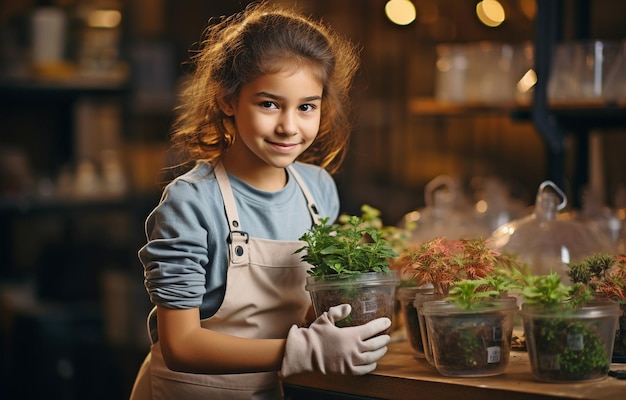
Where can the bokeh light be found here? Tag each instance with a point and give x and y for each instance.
(490, 12)
(400, 12)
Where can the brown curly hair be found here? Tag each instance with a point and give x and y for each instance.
(264, 39)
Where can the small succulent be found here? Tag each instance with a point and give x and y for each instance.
(604, 273)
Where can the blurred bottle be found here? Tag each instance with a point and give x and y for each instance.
(620, 212)
(598, 215)
(49, 28)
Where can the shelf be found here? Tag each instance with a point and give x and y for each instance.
(37, 206)
(573, 116)
(73, 83)
(400, 375)
(431, 107)
(598, 110)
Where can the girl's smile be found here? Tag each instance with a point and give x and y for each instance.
(283, 147)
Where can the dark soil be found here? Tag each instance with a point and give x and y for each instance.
(368, 303)
(619, 348)
(469, 343)
(413, 327)
(568, 350)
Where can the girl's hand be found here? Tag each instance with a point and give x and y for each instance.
(325, 348)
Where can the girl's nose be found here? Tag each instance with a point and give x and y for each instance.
(287, 124)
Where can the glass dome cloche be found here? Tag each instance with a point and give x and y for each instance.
(446, 213)
(548, 239)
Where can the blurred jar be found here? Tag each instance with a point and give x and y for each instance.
(597, 215)
(494, 205)
(620, 211)
(447, 214)
(484, 72)
(451, 73)
(100, 38)
(16, 176)
(580, 70)
(490, 72)
(615, 88)
(524, 75)
(548, 239)
(49, 26)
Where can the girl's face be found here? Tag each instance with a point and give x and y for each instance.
(277, 117)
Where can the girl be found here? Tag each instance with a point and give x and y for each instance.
(270, 87)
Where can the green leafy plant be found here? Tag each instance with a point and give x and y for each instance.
(472, 333)
(398, 238)
(549, 291)
(469, 294)
(572, 345)
(353, 247)
(342, 256)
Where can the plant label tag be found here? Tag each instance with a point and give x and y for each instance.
(575, 342)
(493, 354)
(497, 334)
(369, 306)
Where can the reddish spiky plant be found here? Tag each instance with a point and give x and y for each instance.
(613, 285)
(442, 262)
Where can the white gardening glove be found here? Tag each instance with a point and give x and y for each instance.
(325, 348)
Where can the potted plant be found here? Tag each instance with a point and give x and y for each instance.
(439, 264)
(350, 264)
(605, 274)
(406, 295)
(470, 330)
(569, 336)
(397, 237)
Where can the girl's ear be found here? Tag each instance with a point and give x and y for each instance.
(227, 106)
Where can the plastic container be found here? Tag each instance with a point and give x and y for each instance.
(470, 342)
(570, 345)
(371, 295)
(406, 297)
(418, 304)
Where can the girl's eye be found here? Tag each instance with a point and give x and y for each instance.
(268, 104)
(307, 107)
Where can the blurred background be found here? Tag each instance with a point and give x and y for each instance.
(444, 98)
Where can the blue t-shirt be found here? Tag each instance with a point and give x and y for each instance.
(186, 257)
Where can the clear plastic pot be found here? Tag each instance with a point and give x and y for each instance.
(406, 297)
(570, 345)
(371, 295)
(470, 342)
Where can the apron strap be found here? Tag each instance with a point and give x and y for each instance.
(307, 194)
(237, 238)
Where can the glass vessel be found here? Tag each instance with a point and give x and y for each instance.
(549, 239)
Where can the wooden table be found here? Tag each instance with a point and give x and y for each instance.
(401, 376)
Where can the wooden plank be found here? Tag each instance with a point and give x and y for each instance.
(401, 376)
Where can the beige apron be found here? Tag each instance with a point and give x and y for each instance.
(264, 297)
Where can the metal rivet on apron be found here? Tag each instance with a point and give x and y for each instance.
(235, 224)
(239, 250)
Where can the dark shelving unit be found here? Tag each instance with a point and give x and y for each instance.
(554, 122)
